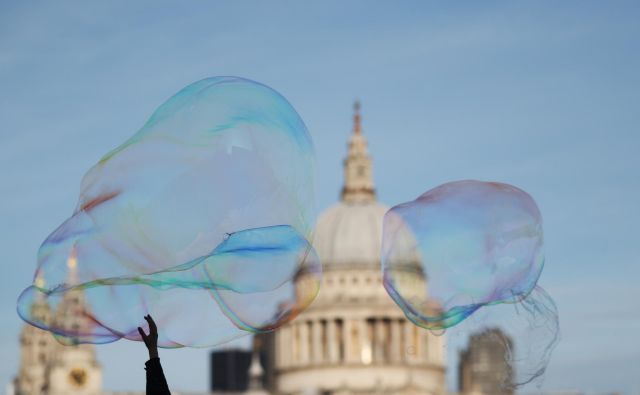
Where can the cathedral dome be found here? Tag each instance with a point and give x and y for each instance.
(350, 233)
(353, 339)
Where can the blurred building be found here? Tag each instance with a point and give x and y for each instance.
(48, 367)
(575, 393)
(483, 367)
(353, 339)
(230, 370)
(238, 371)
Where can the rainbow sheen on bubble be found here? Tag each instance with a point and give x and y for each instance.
(201, 219)
(530, 329)
(478, 246)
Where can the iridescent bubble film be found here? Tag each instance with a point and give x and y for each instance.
(477, 249)
(526, 331)
(201, 219)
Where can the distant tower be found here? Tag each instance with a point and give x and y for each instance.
(74, 369)
(353, 339)
(37, 349)
(48, 367)
(483, 367)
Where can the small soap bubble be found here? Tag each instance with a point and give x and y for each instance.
(466, 256)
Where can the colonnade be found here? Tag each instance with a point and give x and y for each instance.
(357, 341)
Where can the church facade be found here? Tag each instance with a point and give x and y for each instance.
(49, 367)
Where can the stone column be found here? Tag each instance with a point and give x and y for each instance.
(288, 340)
(351, 347)
(432, 347)
(426, 345)
(316, 327)
(365, 349)
(304, 343)
(278, 343)
(416, 334)
(409, 347)
(396, 355)
(379, 341)
(438, 344)
(346, 339)
(332, 340)
(295, 344)
(281, 347)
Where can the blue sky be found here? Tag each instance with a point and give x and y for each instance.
(543, 95)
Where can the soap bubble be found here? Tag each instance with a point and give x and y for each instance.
(475, 243)
(473, 249)
(201, 219)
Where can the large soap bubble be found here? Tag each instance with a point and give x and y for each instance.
(473, 246)
(201, 219)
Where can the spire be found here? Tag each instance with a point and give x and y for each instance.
(72, 265)
(40, 310)
(39, 282)
(71, 313)
(356, 118)
(358, 178)
(255, 371)
(40, 305)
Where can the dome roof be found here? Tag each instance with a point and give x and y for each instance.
(350, 233)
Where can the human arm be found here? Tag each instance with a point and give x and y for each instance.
(156, 382)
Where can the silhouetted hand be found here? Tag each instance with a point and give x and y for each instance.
(150, 340)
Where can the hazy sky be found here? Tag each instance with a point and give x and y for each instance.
(543, 95)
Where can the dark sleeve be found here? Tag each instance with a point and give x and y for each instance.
(156, 383)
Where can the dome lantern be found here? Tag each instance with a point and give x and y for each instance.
(358, 175)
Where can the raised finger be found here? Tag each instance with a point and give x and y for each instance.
(144, 336)
(152, 325)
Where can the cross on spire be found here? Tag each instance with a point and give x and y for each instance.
(356, 117)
